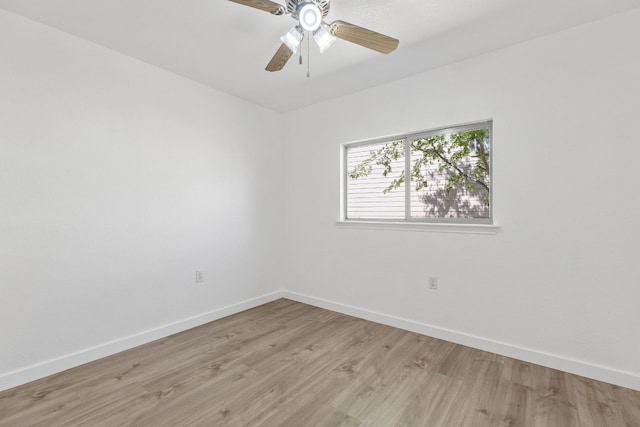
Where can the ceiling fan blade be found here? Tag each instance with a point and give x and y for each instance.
(367, 38)
(280, 59)
(266, 5)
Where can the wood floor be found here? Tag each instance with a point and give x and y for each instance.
(289, 364)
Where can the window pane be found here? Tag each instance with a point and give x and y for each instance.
(450, 175)
(371, 194)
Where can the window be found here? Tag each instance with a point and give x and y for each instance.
(449, 177)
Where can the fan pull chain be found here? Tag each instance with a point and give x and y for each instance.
(308, 55)
(301, 46)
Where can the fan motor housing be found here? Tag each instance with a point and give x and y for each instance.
(292, 6)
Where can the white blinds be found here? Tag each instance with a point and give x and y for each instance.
(365, 195)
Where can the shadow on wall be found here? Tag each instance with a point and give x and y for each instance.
(456, 203)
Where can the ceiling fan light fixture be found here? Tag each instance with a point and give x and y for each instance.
(293, 39)
(310, 17)
(323, 37)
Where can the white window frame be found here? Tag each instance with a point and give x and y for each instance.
(454, 225)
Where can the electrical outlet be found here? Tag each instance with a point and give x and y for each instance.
(433, 282)
(199, 276)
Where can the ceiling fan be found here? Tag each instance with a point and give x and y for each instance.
(310, 14)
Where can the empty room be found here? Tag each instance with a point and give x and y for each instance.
(319, 213)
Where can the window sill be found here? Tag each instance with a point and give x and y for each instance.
(421, 226)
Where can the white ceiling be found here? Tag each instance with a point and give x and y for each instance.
(227, 46)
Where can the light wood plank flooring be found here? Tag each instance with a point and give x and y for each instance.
(290, 364)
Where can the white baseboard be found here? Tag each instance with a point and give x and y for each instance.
(578, 367)
(31, 373)
(601, 373)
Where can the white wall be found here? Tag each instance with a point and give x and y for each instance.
(117, 181)
(559, 284)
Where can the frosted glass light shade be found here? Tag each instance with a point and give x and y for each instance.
(323, 37)
(293, 39)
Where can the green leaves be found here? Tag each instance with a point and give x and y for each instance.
(362, 169)
(394, 184)
(387, 154)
